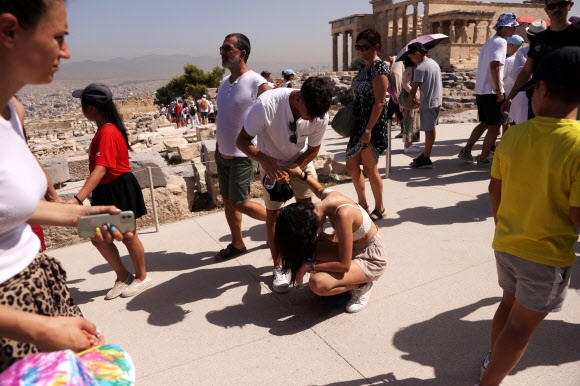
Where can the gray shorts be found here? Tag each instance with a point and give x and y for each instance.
(538, 287)
(235, 177)
(429, 118)
(371, 257)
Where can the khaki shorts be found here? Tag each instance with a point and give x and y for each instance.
(299, 187)
(371, 257)
(538, 287)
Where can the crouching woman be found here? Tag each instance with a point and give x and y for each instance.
(349, 260)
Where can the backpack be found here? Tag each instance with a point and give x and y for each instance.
(204, 104)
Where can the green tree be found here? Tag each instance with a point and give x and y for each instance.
(356, 63)
(193, 82)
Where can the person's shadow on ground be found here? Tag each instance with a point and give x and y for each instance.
(455, 347)
(276, 312)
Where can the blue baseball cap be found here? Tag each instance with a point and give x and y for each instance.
(516, 40)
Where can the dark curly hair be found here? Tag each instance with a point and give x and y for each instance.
(28, 12)
(296, 235)
(371, 36)
(317, 96)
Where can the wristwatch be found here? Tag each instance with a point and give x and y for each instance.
(305, 176)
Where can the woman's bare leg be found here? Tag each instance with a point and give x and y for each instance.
(358, 179)
(137, 253)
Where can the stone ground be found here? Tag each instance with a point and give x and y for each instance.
(427, 322)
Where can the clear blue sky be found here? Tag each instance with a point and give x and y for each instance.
(105, 29)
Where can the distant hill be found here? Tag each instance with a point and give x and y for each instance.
(154, 67)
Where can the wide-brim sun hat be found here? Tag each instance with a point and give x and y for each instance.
(536, 27)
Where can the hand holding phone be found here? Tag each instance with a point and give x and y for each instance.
(124, 222)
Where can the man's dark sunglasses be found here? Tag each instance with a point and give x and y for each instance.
(293, 138)
(561, 4)
(226, 48)
(362, 48)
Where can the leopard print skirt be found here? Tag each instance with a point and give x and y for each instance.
(41, 289)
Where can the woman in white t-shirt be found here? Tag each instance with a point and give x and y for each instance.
(36, 310)
(349, 260)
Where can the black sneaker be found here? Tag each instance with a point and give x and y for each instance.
(421, 162)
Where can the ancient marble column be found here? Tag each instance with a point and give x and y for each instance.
(489, 33)
(464, 29)
(405, 25)
(415, 20)
(395, 29)
(440, 28)
(345, 50)
(334, 52)
(476, 32)
(386, 26)
(452, 31)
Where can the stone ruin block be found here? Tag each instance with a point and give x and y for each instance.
(213, 189)
(159, 177)
(323, 163)
(57, 169)
(189, 151)
(140, 161)
(174, 143)
(199, 176)
(204, 133)
(208, 156)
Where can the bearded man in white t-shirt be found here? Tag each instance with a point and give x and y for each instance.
(289, 125)
(236, 95)
(489, 89)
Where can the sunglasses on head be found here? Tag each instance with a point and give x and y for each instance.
(226, 48)
(365, 47)
(293, 138)
(561, 4)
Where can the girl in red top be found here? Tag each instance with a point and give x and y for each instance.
(112, 182)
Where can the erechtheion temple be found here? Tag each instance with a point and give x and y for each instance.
(467, 23)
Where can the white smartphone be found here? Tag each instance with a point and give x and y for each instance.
(124, 222)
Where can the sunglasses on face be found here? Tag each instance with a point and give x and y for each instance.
(365, 47)
(226, 48)
(561, 4)
(293, 138)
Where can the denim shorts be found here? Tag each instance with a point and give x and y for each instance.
(538, 287)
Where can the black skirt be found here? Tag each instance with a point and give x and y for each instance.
(123, 192)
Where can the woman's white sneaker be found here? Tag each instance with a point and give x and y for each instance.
(118, 288)
(360, 297)
(136, 288)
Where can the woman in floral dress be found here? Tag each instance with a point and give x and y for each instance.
(369, 137)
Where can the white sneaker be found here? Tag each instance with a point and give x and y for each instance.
(118, 288)
(360, 297)
(411, 149)
(136, 288)
(280, 284)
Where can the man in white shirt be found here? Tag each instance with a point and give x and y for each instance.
(489, 89)
(289, 125)
(236, 96)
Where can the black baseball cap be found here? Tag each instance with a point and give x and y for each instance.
(416, 47)
(94, 93)
(561, 66)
